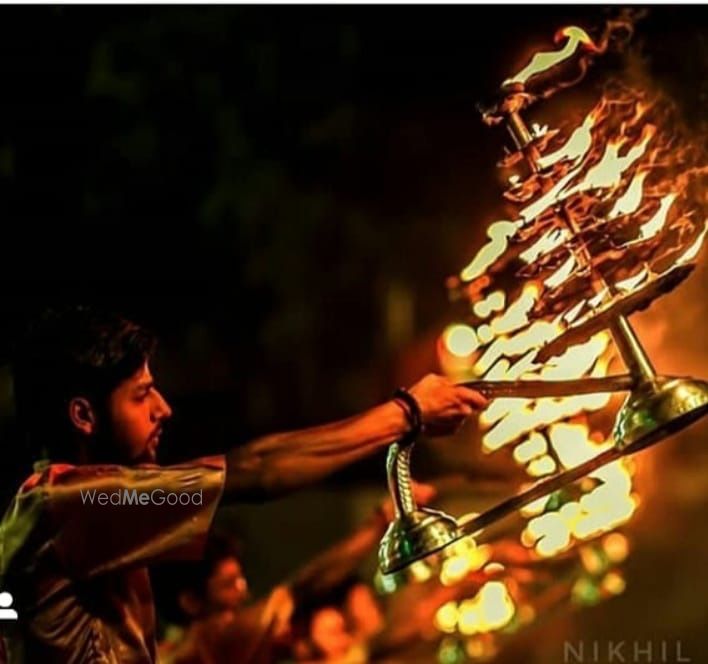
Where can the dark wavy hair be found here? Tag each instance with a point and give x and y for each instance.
(70, 352)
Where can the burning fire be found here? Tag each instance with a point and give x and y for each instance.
(576, 38)
(626, 186)
(610, 206)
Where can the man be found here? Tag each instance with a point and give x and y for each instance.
(76, 540)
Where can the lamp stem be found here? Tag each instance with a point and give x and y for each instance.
(398, 471)
(626, 340)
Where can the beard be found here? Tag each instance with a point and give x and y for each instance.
(110, 446)
(148, 455)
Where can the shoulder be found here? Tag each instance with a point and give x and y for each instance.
(66, 475)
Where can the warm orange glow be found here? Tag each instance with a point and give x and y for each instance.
(607, 173)
(420, 571)
(616, 547)
(614, 583)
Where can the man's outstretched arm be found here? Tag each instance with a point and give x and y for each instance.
(275, 464)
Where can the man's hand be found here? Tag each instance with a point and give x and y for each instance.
(277, 611)
(444, 405)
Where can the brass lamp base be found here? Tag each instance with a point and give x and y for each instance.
(416, 535)
(657, 408)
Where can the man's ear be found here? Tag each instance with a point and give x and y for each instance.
(82, 415)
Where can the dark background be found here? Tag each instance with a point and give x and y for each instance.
(265, 186)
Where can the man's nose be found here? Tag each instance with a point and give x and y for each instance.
(163, 410)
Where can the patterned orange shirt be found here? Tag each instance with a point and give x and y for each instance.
(74, 548)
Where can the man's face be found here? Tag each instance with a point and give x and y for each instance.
(328, 631)
(227, 587)
(137, 411)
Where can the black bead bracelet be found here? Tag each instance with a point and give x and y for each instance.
(412, 410)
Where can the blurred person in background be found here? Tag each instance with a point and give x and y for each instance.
(210, 598)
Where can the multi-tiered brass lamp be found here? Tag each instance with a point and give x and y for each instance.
(600, 235)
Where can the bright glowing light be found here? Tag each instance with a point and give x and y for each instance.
(616, 547)
(460, 340)
(446, 617)
(613, 583)
(490, 609)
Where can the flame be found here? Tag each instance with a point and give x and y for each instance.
(510, 419)
(656, 223)
(490, 609)
(561, 274)
(607, 506)
(630, 200)
(544, 465)
(631, 283)
(549, 241)
(577, 146)
(576, 37)
(538, 131)
(693, 250)
(594, 302)
(493, 302)
(516, 316)
(498, 234)
(607, 173)
(570, 315)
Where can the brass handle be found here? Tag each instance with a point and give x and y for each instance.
(398, 472)
(533, 389)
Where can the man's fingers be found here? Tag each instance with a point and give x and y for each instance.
(466, 409)
(472, 397)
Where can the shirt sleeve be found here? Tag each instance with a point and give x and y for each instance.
(108, 517)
